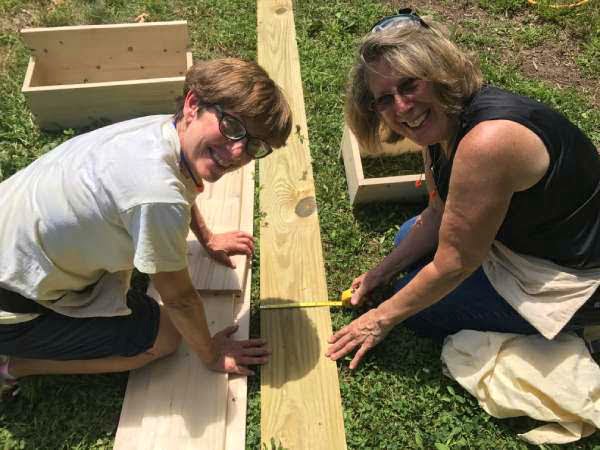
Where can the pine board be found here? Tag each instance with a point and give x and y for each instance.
(176, 402)
(237, 397)
(300, 397)
(105, 53)
(226, 205)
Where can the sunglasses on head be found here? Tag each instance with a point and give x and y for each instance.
(404, 15)
(233, 129)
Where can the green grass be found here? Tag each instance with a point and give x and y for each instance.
(398, 399)
(390, 166)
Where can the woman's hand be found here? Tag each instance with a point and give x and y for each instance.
(221, 246)
(234, 356)
(362, 286)
(363, 333)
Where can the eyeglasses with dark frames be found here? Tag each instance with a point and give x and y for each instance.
(233, 129)
(404, 15)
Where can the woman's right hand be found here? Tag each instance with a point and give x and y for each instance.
(362, 286)
(235, 356)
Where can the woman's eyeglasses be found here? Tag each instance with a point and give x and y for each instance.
(405, 87)
(404, 15)
(234, 130)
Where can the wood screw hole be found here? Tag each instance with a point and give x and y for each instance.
(130, 48)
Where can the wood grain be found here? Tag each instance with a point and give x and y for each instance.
(105, 53)
(237, 396)
(95, 75)
(226, 205)
(177, 403)
(75, 106)
(361, 190)
(300, 398)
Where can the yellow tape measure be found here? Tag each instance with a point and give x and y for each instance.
(343, 301)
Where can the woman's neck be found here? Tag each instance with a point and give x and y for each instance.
(448, 145)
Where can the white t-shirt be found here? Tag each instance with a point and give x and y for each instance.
(77, 220)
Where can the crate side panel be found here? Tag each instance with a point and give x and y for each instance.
(391, 189)
(99, 105)
(77, 55)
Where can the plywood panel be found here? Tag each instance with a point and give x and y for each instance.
(177, 403)
(300, 399)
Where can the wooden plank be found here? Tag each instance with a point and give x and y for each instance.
(238, 389)
(176, 402)
(226, 205)
(104, 53)
(237, 396)
(300, 397)
(220, 215)
(392, 189)
(352, 163)
(77, 106)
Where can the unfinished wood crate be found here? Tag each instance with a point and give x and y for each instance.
(403, 188)
(90, 75)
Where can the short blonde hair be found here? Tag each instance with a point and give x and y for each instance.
(243, 88)
(414, 51)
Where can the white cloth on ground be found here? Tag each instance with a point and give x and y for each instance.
(78, 219)
(514, 375)
(543, 293)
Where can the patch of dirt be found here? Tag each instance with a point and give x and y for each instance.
(552, 61)
(24, 18)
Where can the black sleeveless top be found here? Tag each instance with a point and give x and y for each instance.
(558, 218)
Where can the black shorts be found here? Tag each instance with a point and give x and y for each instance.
(57, 337)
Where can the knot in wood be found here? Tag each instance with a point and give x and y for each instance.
(306, 206)
(281, 10)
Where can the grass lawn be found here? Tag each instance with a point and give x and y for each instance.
(398, 398)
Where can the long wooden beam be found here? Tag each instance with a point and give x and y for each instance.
(300, 397)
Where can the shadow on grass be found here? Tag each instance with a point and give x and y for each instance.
(375, 217)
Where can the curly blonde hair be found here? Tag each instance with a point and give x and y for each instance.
(414, 51)
(243, 88)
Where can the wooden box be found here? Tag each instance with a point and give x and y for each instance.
(403, 188)
(91, 75)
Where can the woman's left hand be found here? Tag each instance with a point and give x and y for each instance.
(363, 333)
(221, 246)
